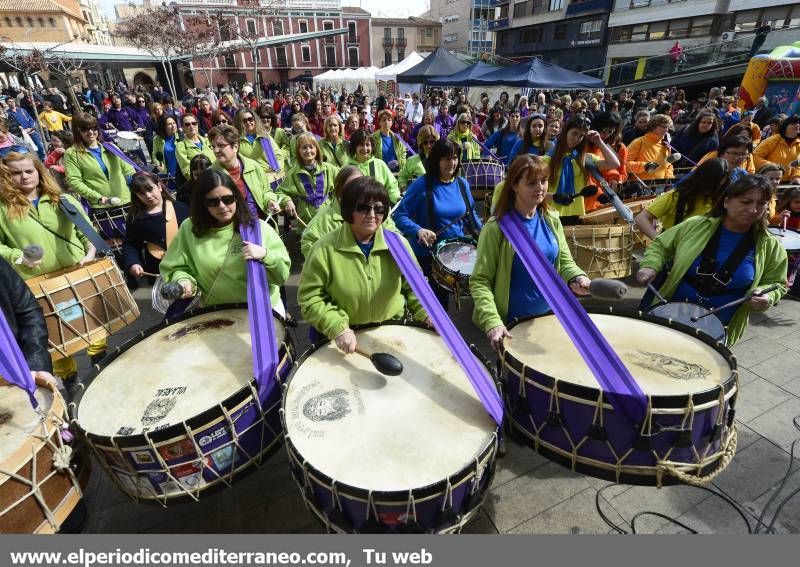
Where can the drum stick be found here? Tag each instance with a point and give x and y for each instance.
(300, 221)
(783, 230)
(150, 274)
(652, 288)
(714, 310)
(670, 146)
(384, 362)
(448, 225)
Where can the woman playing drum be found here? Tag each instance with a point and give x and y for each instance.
(506, 139)
(252, 139)
(788, 216)
(694, 196)
(208, 254)
(152, 223)
(360, 152)
(609, 125)
(351, 277)
(437, 206)
(415, 165)
(386, 145)
(93, 172)
(334, 148)
(269, 122)
(500, 285)
(30, 214)
(191, 145)
(165, 155)
(309, 183)
(736, 150)
(722, 256)
(534, 141)
(647, 155)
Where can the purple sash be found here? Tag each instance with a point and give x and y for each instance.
(259, 314)
(270, 154)
(314, 196)
(486, 149)
(614, 378)
(13, 365)
(121, 155)
(402, 141)
(484, 387)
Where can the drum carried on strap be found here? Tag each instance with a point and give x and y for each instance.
(482, 176)
(789, 238)
(175, 412)
(110, 224)
(602, 251)
(412, 453)
(453, 262)
(127, 141)
(83, 304)
(555, 402)
(41, 477)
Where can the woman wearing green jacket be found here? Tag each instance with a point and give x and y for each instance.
(191, 144)
(251, 135)
(463, 136)
(208, 255)
(351, 277)
(333, 145)
(269, 121)
(415, 165)
(92, 172)
(386, 145)
(701, 245)
(360, 152)
(165, 155)
(502, 289)
(30, 214)
(309, 183)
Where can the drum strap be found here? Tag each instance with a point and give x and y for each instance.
(111, 148)
(13, 366)
(470, 211)
(171, 229)
(712, 279)
(83, 225)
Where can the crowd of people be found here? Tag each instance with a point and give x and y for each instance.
(344, 168)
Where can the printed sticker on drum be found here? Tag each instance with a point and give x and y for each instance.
(223, 458)
(143, 458)
(69, 310)
(326, 406)
(212, 438)
(164, 401)
(181, 450)
(187, 474)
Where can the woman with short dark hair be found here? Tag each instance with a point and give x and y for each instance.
(360, 152)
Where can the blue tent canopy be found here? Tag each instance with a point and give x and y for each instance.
(440, 62)
(538, 74)
(463, 77)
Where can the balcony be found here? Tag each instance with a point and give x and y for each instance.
(388, 42)
(498, 24)
(576, 7)
(401, 42)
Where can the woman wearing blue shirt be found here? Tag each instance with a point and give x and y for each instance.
(534, 141)
(164, 153)
(437, 206)
(505, 140)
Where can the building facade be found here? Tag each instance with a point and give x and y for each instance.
(291, 62)
(394, 38)
(56, 21)
(642, 32)
(569, 33)
(465, 24)
(96, 23)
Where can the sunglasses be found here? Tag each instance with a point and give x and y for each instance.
(189, 124)
(465, 122)
(89, 129)
(265, 118)
(223, 121)
(378, 209)
(212, 202)
(249, 119)
(537, 115)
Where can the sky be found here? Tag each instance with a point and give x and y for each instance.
(378, 8)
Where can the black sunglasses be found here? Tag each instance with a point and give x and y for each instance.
(378, 208)
(212, 202)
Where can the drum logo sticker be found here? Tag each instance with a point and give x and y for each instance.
(332, 405)
(177, 450)
(668, 365)
(158, 410)
(69, 310)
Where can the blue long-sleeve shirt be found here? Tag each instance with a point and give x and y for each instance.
(504, 143)
(22, 117)
(448, 206)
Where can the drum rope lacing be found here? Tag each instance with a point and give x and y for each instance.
(607, 261)
(62, 455)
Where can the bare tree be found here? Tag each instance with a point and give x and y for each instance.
(262, 12)
(213, 31)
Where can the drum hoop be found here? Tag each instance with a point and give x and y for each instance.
(590, 393)
(441, 265)
(21, 456)
(422, 492)
(176, 429)
(712, 314)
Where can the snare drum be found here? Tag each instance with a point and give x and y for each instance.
(789, 238)
(602, 251)
(482, 176)
(127, 141)
(176, 412)
(683, 311)
(110, 224)
(453, 262)
(83, 304)
(41, 477)
(555, 402)
(414, 453)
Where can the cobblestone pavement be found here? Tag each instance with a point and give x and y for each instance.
(529, 494)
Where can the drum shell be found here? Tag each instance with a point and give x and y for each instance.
(789, 239)
(83, 304)
(127, 141)
(453, 281)
(602, 251)
(110, 223)
(469, 485)
(553, 433)
(58, 493)
(199, 438)
(482, 176)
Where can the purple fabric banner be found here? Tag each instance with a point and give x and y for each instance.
(487, 150)
(259, 314)
(121, 155)
(314, 195)
(402, 141)
(618, 385)
(13, 366)
(483, 385)
(270, 154)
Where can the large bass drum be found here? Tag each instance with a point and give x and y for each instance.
(371, 454)
(554, 401)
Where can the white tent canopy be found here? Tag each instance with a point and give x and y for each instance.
(348, 78)
(390, 72)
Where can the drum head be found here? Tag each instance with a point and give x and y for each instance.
(18, 420)
(664, 361)
(458, 256)
(683, 312)
(172, 375)
(383, 433)
(127, 135)
(789, 238)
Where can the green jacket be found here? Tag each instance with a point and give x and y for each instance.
(256, 180)
(281, 138)
(86, 178)
(684, 242)
(399, 147)
(338, 156)
(473, 151)
(214, 263)
(413, 167)
(293, 187)
(328, 219)
(186, 150)
(254, 151)
(490, 282)
(58, 252)
(340, 288)
(382, 174)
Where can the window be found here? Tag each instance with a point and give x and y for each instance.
(401, 33)
(639, 32)
(591, 28)
(330, 56)
(305, 53)
(277, 27)
(556, 5)
(30, 21)
(8, 22)
(303, 26)
(280, 55)
(448, 19)
(250, 24)
(678, 28)
(352, 36)
(531, 35)
(352, 57)
(429, 31)
(520, 9)
(450, 37)
(387, 33)
(560, 31)
(41, 22)
(52, 22)
(229, 60)
(19, 21)
(658, 30)
(400, 55)
(387, 58)
(327, 25)
(702, 26)
(776, 16)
